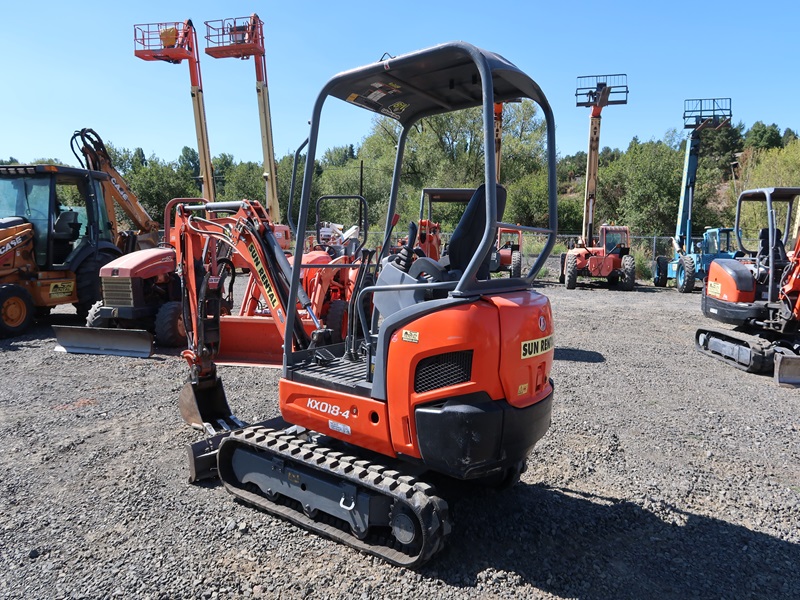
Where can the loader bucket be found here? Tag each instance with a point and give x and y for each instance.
(249, 341)
(137, 343)
(787, 370)
(203, 406)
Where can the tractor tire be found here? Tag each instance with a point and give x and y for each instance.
(628, 272)
(613, 279)
(516, 263)
(169, 328)
(571, 271)
(561, 272)
(684, 276)
(336, 320)
(93, 319)
(87, 277)
(660, 271)
(16, 310)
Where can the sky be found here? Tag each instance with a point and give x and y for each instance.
(70, 65)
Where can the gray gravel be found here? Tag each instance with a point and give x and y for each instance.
(665, 474)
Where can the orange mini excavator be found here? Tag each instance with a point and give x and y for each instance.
(448, 374)
(758, 293)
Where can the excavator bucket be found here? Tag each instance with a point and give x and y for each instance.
(137, 343)
(787, 370)
(203, 405)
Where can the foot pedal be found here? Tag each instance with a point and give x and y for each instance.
(323, 357)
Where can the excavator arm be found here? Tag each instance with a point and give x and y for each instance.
(210, 249)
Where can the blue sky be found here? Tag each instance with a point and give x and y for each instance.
(68, 65)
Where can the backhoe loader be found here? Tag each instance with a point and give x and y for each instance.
(55, 234)
(449, 374)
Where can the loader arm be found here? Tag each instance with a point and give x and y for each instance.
(116, 191)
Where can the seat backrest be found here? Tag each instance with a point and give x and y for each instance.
(468, 233)
(779, 251)
(65, 223)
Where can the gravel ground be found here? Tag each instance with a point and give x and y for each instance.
(665, 474)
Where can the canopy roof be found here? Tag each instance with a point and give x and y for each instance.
(435, 80)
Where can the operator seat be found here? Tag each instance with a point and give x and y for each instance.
(67, 226)
(468, 233)
(778, 252)
(66, 230)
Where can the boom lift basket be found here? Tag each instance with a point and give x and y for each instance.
(589, 87)
(163, 41)
(238, 37)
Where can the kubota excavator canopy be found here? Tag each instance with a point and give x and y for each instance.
(436, 80)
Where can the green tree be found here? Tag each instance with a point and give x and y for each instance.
(223, 163)
(642, 188)
(157, 182)
(245, 181)
(789, 135)
(763, 137)
(771, 168)
(718, 148)
(138, 160)
(11, 161)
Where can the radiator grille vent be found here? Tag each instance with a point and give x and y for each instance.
(442, 370)
(117, 291)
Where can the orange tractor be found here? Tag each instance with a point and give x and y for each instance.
(608, 255)
(448, 374)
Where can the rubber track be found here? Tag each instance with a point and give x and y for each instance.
(761, 350)
(431, 510)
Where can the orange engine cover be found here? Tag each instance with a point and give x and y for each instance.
(511, 350)
(731, 281)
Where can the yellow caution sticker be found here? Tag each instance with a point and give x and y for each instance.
(714, 288)
(62, 289)
(533, 348)
(522, 390)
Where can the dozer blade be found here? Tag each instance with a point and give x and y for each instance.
(203, 406)
(787, 370)
(97, 340)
